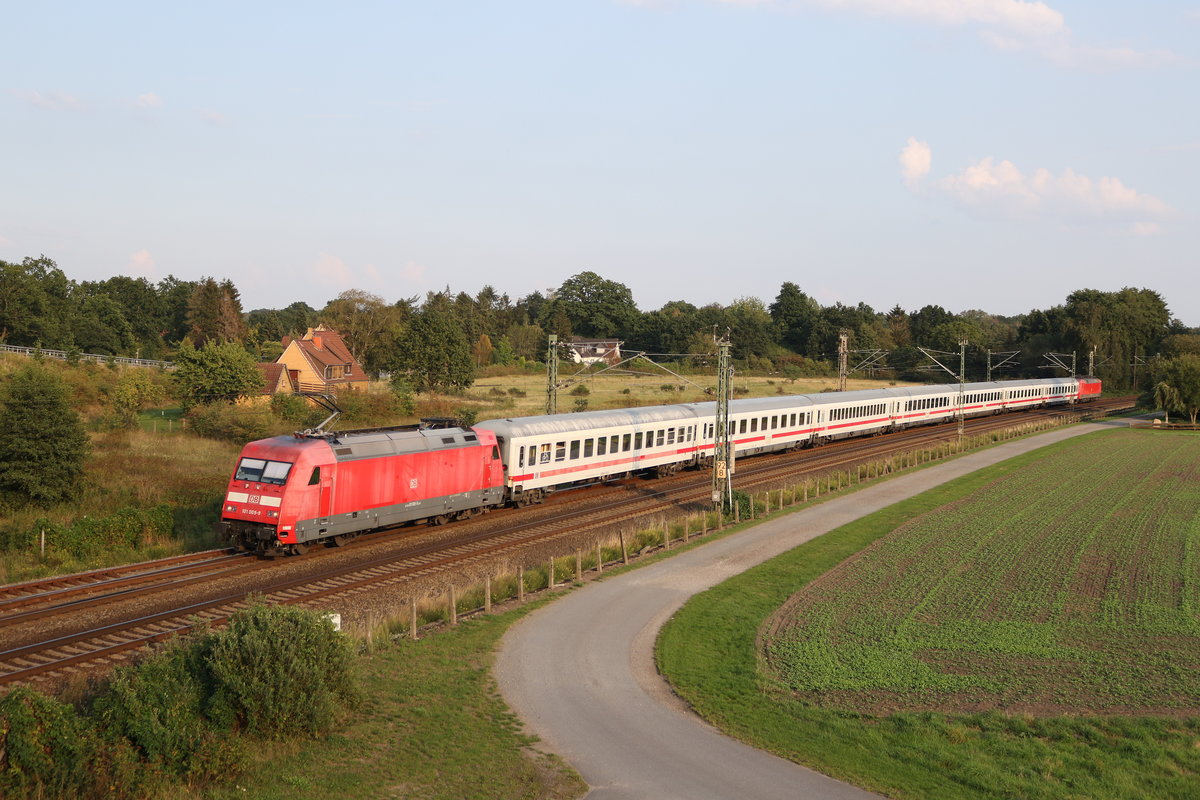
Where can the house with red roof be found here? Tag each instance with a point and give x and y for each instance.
(320, 363)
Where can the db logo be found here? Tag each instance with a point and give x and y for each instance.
(412, 484)
(255, 498)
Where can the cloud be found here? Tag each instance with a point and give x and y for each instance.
(214, 118)
(1017, 16)
(333, 271)
(412, 272)
(148, 100)
(52, 101)
(916, 159)
(1008, 26)
(1002, 188)
(142, 263)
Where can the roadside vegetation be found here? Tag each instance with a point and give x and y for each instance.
(186, 716)
(1026, 631)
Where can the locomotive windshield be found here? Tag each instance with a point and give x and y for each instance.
(261, 471)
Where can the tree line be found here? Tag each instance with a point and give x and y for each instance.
(437, 342)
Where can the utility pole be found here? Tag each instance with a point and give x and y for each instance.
(722, 477)
(843, 367)
(962, 379)
(1092, 361)
(552, 375)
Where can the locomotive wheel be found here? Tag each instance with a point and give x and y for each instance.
(440, 519)
(343, 539)
(299, 549)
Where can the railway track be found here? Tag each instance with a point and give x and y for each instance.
(503, 535)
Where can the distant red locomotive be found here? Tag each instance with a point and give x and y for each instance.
(1089, 389)
(290, 492)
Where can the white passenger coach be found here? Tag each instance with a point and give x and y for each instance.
(551, 452)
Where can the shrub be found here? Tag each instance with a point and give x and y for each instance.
(667, 387)
(230, 423)
(158, 705)
(581, 404)
(46, 748)
(279, 671)
(515, 392)
(581, 391)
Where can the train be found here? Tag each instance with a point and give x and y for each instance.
(289, 493)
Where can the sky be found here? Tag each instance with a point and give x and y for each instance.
(974, 154)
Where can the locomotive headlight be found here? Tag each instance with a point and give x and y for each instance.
(231, 508)
(272, 513)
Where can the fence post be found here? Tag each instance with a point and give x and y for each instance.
(521, 584)
(686, 521)
(412, 623)
(624, 548)
(453, 606)
(578, 565)
(487, 593)
(599, 559)
(550, 574)
(666, 533)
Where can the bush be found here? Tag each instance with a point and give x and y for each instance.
(515, 392)
(280, 671)
(46, 748)
(667, 387)
(581, 391)
(296, 410)
(229, 423)
(158, 705)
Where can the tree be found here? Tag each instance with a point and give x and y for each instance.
(371, 328)
(436, 355)
(1181, 376)
(795, 314)
(217, 372)
(43, 445)
(595, 307)
(135, 390)
(1167, 398)
(215, 313)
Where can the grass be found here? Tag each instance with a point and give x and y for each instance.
(710, 653)
(432, 726)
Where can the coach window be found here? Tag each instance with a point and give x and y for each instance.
(521, 456)
(661, 436)
(601, 446)
(670, 436)
(637, 441)
(574, 449)
(625, 440)
(560, 451)
(742, 427)
(754, 425)
(589, 447)
(544, 456)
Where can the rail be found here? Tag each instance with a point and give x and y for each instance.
(63, 355)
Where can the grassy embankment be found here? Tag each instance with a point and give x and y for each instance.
(1027, 631)
(431, 726)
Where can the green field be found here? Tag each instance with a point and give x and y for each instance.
(1028, 631)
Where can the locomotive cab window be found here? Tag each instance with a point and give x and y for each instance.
(315, 478)
(259, 470)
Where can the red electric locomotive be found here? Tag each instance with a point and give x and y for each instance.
(290, 492)
(1089, 389)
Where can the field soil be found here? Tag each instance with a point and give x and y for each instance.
(1071, 586)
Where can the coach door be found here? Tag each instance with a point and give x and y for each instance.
(325, 501)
